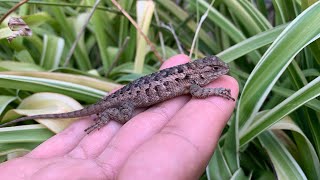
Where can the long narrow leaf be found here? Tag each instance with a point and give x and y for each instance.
(40, 84)
(4, 101)
(298, 99)
(285, 165)
(250, 44)
(302, 31)
(307, 157)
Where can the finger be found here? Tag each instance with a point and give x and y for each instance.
(23, 168)
(70, 141)
(94, 143)
(214, 112)
(143, 126)
(63, 142)
(187, 142)
(175, 60)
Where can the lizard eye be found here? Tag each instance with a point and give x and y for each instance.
(216, 67)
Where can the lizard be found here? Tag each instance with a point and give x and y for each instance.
(188, 78)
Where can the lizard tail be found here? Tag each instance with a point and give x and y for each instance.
(89, 110)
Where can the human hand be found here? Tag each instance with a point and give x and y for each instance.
(171, 140)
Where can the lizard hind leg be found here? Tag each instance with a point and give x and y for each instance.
(121, 114)
(99, 121)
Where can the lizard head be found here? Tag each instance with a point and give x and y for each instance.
(211, 67)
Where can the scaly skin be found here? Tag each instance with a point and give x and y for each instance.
(165, 84)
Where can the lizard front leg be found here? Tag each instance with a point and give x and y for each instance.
(199, 92)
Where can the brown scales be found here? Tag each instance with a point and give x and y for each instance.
(165, 84)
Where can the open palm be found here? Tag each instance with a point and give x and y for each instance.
(171, 140)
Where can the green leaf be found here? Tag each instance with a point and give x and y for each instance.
(52, 51)
(315, 46)
(100, 22)
(274, 115)
(253, 43)
(218, 167)
(42, 85)
(21, 138)
(145, 10)
(8, 148)
(23, 134)
(298, 34)
(37, 19)
(249, 22)
(313, 104)
(18, 66)
(239, 175)
(284, 164)
(231, 147)
(69, 34)
(24, 56)
(183, 16)
(4, 101)
(305, 153)
(226, 25)
(216, 17)
(5, 32)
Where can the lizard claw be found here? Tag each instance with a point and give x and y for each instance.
(226, 93)
(93, 127)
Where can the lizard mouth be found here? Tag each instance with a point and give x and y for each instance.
(225, 70)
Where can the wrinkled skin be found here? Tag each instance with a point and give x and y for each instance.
(171, 140)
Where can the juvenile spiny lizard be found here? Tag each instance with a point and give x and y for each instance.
(165, 84)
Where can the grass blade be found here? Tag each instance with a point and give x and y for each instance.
(274, 115)
(302, 31)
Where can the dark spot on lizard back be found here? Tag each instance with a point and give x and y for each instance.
(146, 81)
(157, 77)
(171, 71)
(166, 83)
(148, 92)
(180, 69)
(157, 88)
(204, 60)
(190, 65)
(126, 88)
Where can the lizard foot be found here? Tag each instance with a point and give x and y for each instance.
(93, 127)
(225, 93)
(99, 121)
(200, 92)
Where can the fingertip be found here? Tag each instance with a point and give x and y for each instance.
(175, 60)
(233, 83)
(208, 116)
